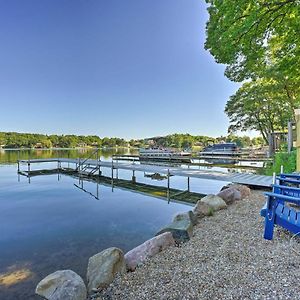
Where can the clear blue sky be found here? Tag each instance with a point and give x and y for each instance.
(133, 68)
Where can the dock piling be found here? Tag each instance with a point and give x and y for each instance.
(168, 186)
(188, 181)
(99, 168)
(281, 169)
(133, 176)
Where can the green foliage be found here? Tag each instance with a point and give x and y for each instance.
(187, 141)
(28, 140)
(288, 161)
(259, 41)
(184, 141)
(246, 35)
(243, 141)
(259, 106)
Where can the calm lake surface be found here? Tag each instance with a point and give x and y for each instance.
(50, 224)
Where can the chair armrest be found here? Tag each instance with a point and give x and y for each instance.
(295, 176)
(289, 180)
(283, 198)
(284, 187)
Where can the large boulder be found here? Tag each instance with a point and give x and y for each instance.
(181, 229)
(103, 268)
(138, 255)
(243, 189)
(215, 202)
(64, 284)
(230, 195)
(189, 215)
(202, 209)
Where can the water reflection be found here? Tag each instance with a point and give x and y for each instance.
(54, 225)
(13, 155)
(15, 275)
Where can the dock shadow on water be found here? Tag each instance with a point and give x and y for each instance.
(51, 224)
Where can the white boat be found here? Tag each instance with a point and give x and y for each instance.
(163, 154)
(222, 149)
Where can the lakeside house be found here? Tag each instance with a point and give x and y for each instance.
(38, 146)
(82, 145)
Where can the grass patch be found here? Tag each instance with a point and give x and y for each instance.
(211, 212)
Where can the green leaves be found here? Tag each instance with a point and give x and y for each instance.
(259, 41)
(242, 33)
(261, 105)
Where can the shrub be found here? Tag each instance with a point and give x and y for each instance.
(285, 159)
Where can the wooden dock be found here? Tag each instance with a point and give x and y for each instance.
(259, 181)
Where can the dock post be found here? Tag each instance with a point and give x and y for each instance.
(117, 171)
(274, 178)
(188, 181)
(168, 186)
(29, 171)
(99, 167)
(133, 176)
(281, 169)
(112, 175)
(18, 161)
(78, 170)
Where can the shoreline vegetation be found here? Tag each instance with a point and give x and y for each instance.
(14, 140)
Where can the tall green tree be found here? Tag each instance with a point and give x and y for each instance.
(259, 41)
(246, 35)
(257, 105)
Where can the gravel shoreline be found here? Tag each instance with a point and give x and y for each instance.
(227, 258)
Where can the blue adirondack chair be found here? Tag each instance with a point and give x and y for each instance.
(283, 190)
(277, 212)
(292, 179)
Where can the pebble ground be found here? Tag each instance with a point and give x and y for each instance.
(227, 258)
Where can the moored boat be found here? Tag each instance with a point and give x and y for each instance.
(163, 154)
(221, 149)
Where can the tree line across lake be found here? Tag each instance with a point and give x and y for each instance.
(184, 141)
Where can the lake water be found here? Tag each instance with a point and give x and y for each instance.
(50, 224)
